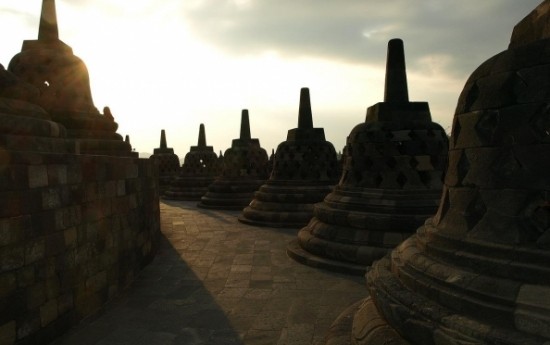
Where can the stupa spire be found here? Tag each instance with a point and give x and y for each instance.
(396, 75)
(163, 144)
(305, 119)
(245, 126)
(48, 30)
(202, 136)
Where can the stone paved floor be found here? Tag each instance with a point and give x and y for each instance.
(217, 281)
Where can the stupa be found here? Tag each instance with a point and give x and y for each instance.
(477, 272)
(305, 170)
(391, 182)
(168, 162)
(63, 82)
(25, 126)
(244, 171)
(199, 169)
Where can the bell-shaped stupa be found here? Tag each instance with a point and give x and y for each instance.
(199, 169)
(25, 126)
(168, 162)
(478, 272)
(63, 81)
(391, 182)
(305, 170)
(244, 171)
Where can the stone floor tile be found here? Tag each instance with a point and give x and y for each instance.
(218, 281)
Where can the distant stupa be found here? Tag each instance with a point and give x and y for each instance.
(168, 162)
(245, 166)
(304, 171)
(199, 169)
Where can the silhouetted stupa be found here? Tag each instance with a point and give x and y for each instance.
(244, 171)
(304, 172)
(63, 82)
(478, 272)
(25, 126)
(168, 162)
(199, 169)
(391, 182)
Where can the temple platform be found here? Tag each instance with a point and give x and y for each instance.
(217, 281)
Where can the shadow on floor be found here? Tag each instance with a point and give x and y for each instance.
(166, 304)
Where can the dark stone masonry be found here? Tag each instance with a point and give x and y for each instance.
(391, 181)
(477, 272)
(200, 167)
(75, 229)
(304, 171)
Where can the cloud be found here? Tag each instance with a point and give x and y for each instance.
(454, 35)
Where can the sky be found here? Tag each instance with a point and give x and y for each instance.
(175, 64)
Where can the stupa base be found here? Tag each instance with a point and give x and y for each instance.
(361, 324)
(296, 252)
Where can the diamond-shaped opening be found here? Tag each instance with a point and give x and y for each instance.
(413, 135)
(444, 205)
(540, 122)
(378, 180)
(471, 97)
(487, 124)
(391, 162)
(413, 162)
(368, 163)
(462, 167)
(456, 130)
(401, 179)
(475, 210)
(425, 177)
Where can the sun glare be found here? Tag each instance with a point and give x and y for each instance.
(148, 67)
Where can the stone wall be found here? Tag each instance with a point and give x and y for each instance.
(74, 230)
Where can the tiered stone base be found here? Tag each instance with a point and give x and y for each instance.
(284, 204)
(188, 188)
(296, 252)
(94, 134)
(230, 194)
(361, 226)
(433, 301)
(26, 127)
(361, 324)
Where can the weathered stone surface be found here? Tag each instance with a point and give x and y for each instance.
(200, 167)
(390, 184)
(244, 170)
(304, 171)
(477, 272)
(24, 125)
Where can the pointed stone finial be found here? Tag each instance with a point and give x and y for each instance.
(127, 139)
(305, 119)
(202, 136)
(221, 154)
(396, 75)
(163, 144)
(245, 126)
(48, 30)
